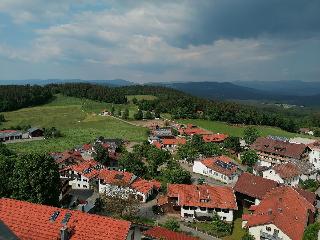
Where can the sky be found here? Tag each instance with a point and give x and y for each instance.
(152, 41)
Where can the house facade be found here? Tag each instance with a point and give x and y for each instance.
(221, 168)
(314, 156)
(199, 201)
(287, 173)
(10, 135)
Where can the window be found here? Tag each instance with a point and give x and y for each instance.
(276, 232)
(193, 208)
(224, 218)
(268, 229)
(185, 207)
(85, 186)
(225, 210)
(78, 185)
(218, 210)
(203, 208)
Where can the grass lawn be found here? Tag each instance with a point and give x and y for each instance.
(232, 130)
(77, 120)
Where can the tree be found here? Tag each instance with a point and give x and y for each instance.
(212, 149)
(138, 115)
(119, 112)
(133, 163)
(311, 231)
(112, 110)
(6, 171)
(52, 133)
(172, 224)
(36, 179)
(232, 143)
(310, 184)
(247, 236)
(2, 118)
(134, 100)
(221, 228)
(157, 113)
(148, 115)
(197, 142)
(250, 134)
(119, 205)
(187, 152)
(4, 150)
(101, 155)
(125, 114)
(249, 157)
(317, 132)
(175, 174)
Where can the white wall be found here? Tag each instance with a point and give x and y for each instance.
(256, 231)
(224, 214)
(200, 168)
(314, 158)
(272, 175)
(82, 183)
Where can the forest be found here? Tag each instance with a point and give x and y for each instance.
(13, 97)
(180, 105)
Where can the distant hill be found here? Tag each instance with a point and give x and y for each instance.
(290, 88)
(232, 91)
(111, 83)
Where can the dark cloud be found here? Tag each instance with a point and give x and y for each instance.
(229, 19)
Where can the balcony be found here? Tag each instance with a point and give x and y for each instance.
(267, 236)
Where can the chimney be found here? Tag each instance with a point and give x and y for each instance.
(64, 233)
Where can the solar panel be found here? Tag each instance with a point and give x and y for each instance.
(54, 216)
(66, 218)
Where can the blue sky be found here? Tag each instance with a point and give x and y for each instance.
(147, 41)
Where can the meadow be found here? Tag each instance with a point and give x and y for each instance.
(233, 130)
(78, 121)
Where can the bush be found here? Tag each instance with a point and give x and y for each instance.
(310, 185)
(311, 231)
(172, 224)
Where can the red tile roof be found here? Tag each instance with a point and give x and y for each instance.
(287, 170)
(165, 234)
(157, 144)
(89, 168)
(87, 147)
(285, 208)
(145, 186)
(217, 137)
(280, 148)
(203, 196)
(116, 177)
(315, 145)
(254, 186)
(174, 141)
(8, 131)
(213, 163)
(32, 221)
(192, 129)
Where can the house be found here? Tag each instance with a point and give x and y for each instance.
(287, 174)
(221, 168)
(250, 189)
(273, 151)
(169, 144)
(314, 155)
(216, 137)
(126, 184)
(35, 132)
(282, 214)
(10, 135)
(26, 220)
(199, 201)
(82, 175)
(160, 233)
(306, 131)
(67, 158)
(191, 130)
(162, 132)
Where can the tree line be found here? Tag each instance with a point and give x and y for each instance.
(13, 97)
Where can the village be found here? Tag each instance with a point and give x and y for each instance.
(261, 182)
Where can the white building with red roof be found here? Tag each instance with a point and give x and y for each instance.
(221, 168)
(287, 173)
(124, 184)
(196, 201)
(24, 220)
(283, 214)
(314, 155)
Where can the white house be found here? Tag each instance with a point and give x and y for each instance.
(220, 168)
(283, 214)
(125, 184)
(196, 201)
(287, 173)
(314, 155)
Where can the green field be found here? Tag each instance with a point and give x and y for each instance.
(77, 120)
(141, 97)
(221, 127)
